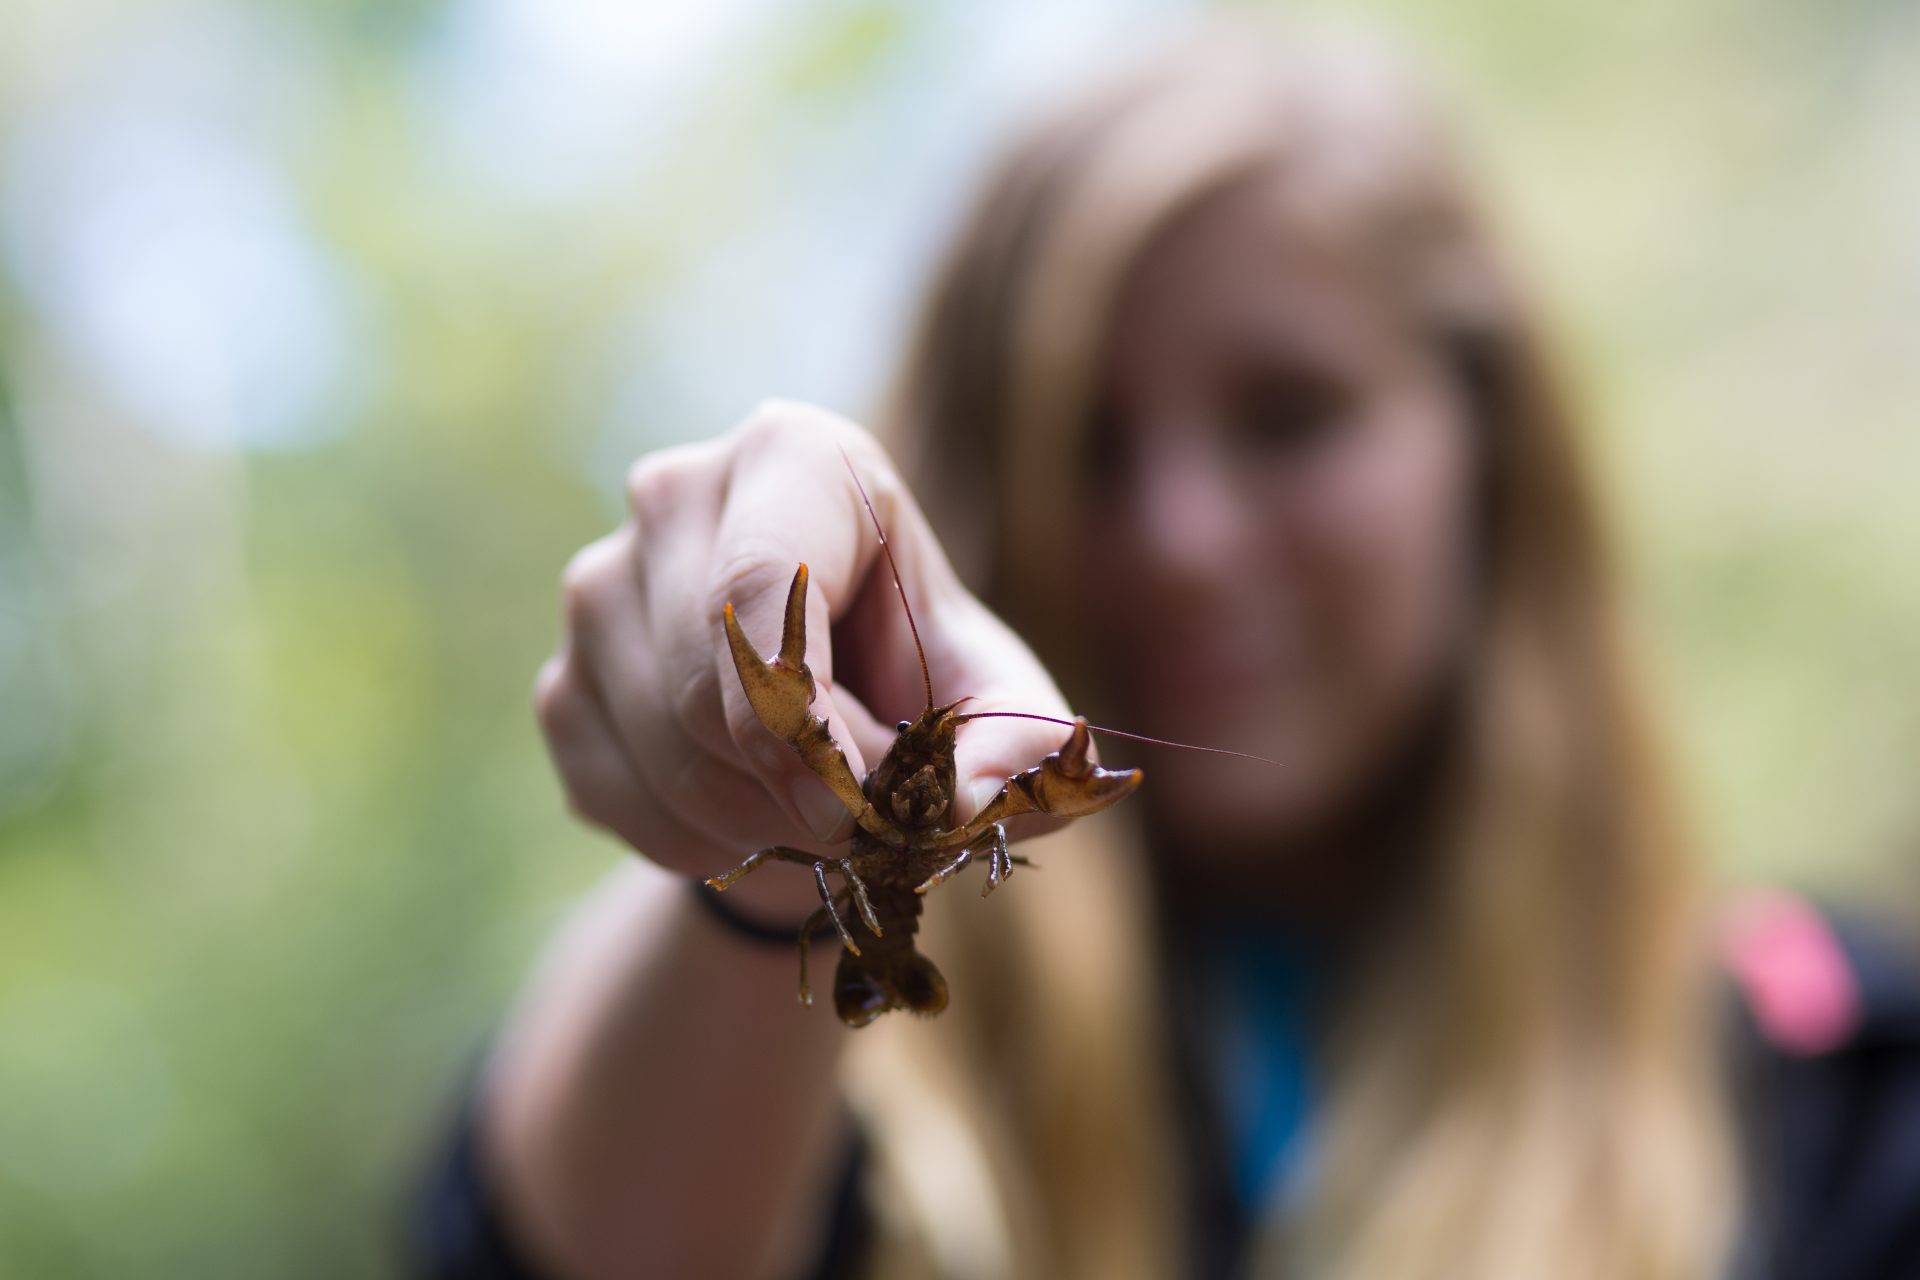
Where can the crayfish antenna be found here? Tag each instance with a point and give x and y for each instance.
(1116, 733)
(926, 678)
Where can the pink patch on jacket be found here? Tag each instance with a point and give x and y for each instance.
(1796, 977)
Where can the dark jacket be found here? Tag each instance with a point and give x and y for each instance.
(1833, 1130)
(1828, 1094)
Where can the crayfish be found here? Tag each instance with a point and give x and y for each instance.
(906, 840)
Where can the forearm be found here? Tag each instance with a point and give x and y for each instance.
(660, 1103)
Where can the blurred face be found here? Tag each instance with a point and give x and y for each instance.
(1277, 505)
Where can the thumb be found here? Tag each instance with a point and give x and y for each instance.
(1013, 700)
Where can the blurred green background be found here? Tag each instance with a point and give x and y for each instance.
(327, 329)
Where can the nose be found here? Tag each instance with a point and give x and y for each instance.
(1188, 513)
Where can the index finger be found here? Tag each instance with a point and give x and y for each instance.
(789, 502)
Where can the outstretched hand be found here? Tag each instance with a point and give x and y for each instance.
(644, 714)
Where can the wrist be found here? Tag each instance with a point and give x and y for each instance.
(757, 922)
(753, 923)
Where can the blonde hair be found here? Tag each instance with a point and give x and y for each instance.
(1522, 1084)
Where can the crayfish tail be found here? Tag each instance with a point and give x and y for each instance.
(869, 985)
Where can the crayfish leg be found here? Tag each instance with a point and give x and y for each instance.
(754, 861)
(859, 889)
(945, 873)
(826, 899)
(999, 861)
(814, 921)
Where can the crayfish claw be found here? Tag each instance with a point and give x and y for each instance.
(779, 691)
(781, 695)
(1069, 785)
(1071, 758)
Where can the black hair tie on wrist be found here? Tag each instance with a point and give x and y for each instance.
(783, 935)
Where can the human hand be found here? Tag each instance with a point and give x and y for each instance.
(643, 711)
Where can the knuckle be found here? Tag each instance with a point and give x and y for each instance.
(654, 481)
(578, 602)
(582, 569)
(592, 573)
(769, 422)
(803, 425)
(661, 480)
(752, 569)
(548, 692)
(776, 414)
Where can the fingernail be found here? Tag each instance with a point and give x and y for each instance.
(819, 808)
(981, 791)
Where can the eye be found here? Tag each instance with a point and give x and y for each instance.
(1287, 412)
(1104, 445)
(903, 726)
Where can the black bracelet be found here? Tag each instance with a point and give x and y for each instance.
(784, 935)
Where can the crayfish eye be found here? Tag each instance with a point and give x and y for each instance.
(903, 726)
